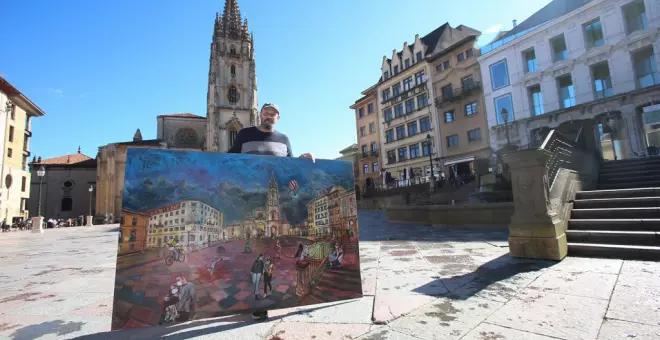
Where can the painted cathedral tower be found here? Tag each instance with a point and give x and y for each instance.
(232, 88)
(273, 208)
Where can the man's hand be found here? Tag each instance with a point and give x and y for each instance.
(308, 155)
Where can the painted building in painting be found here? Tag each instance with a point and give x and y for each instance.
(268, 221)
(332, 211)
(191, 222)
(18, 111)
(133, 228)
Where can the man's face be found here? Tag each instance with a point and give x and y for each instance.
(269, 117)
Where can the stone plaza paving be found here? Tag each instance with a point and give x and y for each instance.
(419, 282)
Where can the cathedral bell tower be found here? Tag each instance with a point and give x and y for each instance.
(273, 208)
(232, 88)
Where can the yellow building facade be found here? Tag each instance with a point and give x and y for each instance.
(15, 175)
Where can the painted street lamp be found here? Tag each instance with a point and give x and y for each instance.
(429, 142)
(91, 189)
(41, 173)
(504, 114)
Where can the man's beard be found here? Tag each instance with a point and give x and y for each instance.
(267, 126)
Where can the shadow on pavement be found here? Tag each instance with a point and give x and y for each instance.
(55, 327)
(195, 328)
(488, 275)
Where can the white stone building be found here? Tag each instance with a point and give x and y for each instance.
(576, 64)
(192, 222)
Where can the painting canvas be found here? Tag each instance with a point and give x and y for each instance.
(211, 234)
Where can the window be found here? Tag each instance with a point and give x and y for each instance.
(396, 89)
(374, 167)
(389, 136)
(374, 148)
(67, 204)
(363, 131)
(602, 81)
(450, 116)
(133, 232)
(391, 157)
(232, 137)
(361, 112)
(398, 110)
(414, 151)
(634, 14)
(412, 128)
(425, 124)
(593, 33)
(400, 132)
(24, 163)
(469, 53)
(536, 100)
(504, 102)
(406, 63)
(233, 95)
(418, 56)
(499, 74)
(232, 50)
(9, 152)
(474, 135)
(27, 122)
(365, 169)
(419, 77)
(396, 69)
(233, 70)
(370, 108)
(529, 57)
(386, 94)
(372, 128)
(134, 221)
(422, 101)
(407, 84)
(471, 109)
(566, 91)
(438, 68)
(426, 150)
(558, 47)
(403, 153)
(447, 92)
(386, 75)
(446, 65)
(11, 133)
(646, 69)
(410, 105)
(467, 83)
(12, 112)
(452, 141)
(460, 57)
(388, 114)
(23, 183)
(364, 148)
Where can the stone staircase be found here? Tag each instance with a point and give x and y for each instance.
(622, 218)
(337, 284)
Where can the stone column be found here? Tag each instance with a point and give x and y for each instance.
(534, 231)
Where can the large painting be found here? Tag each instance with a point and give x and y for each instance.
(210, 234)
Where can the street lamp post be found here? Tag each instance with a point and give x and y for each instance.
(89, 217)
(505, 118)
(429, 142)
(38, 221)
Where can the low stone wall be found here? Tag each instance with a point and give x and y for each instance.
(489, 214)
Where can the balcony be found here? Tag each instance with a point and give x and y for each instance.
(369, 154)
(415, 90)
(458, 94)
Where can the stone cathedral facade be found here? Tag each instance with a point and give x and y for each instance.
(231, 105)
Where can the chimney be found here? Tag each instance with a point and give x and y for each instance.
(515, 22)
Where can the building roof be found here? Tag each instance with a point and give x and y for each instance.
(19, 98)
(348, 149)
(133, 212)
(181, 115)
(73, 158)
(551, 11)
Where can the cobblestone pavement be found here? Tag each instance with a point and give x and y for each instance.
(420, 282)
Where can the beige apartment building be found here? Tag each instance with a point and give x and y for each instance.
(17, 125)
(367, 124)
(461, 115)
(410, 134)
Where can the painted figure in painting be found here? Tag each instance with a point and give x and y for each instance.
(212, 207)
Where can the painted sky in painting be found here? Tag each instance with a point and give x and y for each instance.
(235, 184)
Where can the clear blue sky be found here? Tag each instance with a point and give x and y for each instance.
(101, 69)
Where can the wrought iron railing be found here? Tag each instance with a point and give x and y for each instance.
(564, 153)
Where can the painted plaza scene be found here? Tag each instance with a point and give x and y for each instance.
(211, 234)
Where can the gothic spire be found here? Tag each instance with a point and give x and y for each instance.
(273, 182)
(231, 20)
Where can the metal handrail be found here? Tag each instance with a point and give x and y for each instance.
(563, 152)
